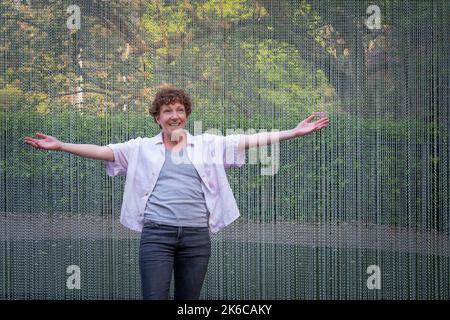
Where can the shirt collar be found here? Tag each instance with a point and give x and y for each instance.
(190, 139)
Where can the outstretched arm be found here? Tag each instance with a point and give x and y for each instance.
(91, 151)
(265, 138)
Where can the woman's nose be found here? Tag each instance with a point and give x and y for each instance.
(173, 115)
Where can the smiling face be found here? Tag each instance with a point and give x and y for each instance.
(171, 117)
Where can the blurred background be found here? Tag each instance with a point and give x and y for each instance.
(359, 210)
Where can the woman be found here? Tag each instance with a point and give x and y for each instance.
(176, 190)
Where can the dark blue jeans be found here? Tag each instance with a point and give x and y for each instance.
(183, 250)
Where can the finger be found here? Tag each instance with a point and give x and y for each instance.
(31, 139)
(321, 114)
(321, 120)
(310, 118)
(33, 144)
(38, 134)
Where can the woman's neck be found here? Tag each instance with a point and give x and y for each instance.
(175, 145)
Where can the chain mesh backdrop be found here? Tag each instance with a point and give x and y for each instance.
(359, 210)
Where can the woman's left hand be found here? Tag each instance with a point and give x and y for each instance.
(306, 126)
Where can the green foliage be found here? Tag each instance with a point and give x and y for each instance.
(11, 96)
(162, 21)
(232, 10)
(304, 166)
(290, 83)
(244, 68)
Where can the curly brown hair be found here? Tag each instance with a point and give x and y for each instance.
(169, 95)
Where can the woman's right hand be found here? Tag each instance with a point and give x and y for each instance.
(46, 142)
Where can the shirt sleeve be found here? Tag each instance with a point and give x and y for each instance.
(232, 156)
(122, 153)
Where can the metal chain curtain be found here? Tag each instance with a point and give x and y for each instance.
(359, 210)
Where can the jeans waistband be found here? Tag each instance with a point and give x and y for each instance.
(148, 222)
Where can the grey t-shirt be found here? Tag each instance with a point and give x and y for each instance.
(178, 199)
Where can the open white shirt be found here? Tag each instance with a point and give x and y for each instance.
(141, 160)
